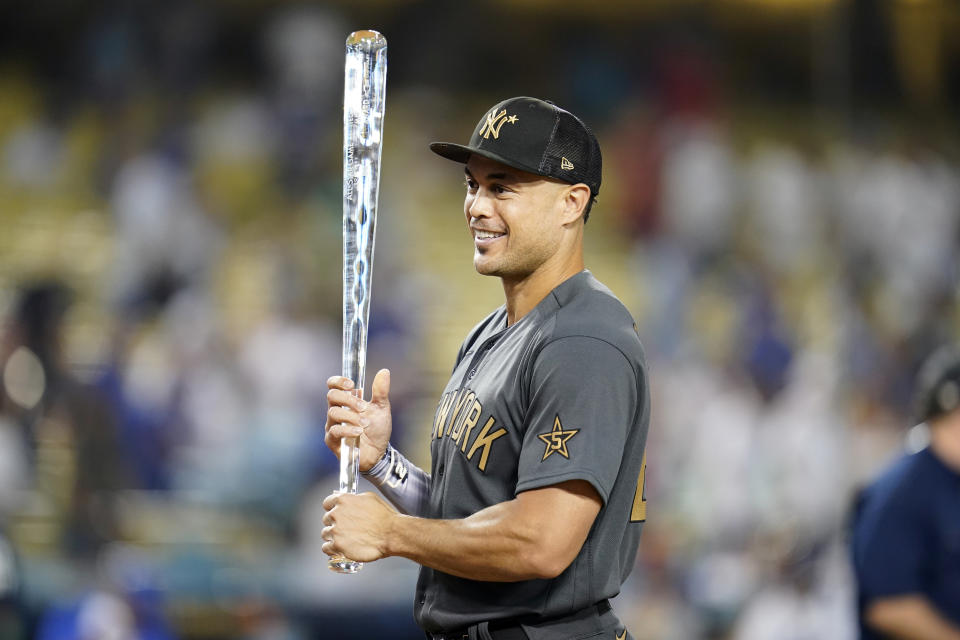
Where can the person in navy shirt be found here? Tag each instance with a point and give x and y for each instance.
(906, 529)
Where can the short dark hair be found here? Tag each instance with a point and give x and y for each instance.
(586, 210)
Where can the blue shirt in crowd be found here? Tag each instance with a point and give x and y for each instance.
(906, 537)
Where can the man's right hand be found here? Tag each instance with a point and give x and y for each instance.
(349, 416)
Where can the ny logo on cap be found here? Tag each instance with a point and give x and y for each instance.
(494, 122)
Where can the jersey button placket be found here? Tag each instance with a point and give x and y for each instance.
(481, 354)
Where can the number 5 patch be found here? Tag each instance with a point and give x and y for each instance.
(556, 440)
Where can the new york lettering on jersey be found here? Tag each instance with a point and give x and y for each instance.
(457, 417)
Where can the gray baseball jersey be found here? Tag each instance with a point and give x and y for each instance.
(562, 394)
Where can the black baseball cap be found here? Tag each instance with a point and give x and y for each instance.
(938, 384)
(536, 136)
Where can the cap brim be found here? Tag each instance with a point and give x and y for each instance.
(451, 151)
(461, 153)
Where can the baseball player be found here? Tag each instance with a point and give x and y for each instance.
(906, 532)
(529, 519)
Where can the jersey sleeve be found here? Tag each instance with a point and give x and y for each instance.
(889, 549)
(583, 399)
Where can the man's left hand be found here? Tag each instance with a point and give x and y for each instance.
(357, 526)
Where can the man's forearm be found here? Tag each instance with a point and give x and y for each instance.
(909, 618)
(483, 546)
(536, 535)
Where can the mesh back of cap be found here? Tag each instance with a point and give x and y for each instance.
(582, 151)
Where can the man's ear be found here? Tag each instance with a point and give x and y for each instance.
(575, 200)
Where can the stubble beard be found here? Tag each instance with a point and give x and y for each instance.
(514, 265)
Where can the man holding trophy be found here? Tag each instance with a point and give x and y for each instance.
(530, 517)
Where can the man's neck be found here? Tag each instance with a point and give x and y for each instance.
(945, 440)
(523, 295)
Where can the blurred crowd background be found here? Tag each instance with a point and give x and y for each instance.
(780, 212)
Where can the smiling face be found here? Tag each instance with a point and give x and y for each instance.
(518, 220)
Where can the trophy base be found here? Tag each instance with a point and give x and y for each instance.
(340, 564)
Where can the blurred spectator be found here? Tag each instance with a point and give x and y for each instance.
(283, 362)
(123, 604)
(700, 186)
(798, 602)
(14, 458)
(904, 537)
(33, 155)
(12, 609)
(101, 615)
(304, 49)
(165, 241)
(207, 461)
(637, 156)
(74, 460)
(784, 208)
(146, 416)
(888, 198)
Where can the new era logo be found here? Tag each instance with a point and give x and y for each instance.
(565, 164)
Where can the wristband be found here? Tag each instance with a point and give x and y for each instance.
(391, 469)
(378, 467)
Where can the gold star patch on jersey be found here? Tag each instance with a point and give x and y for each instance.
(556, 440)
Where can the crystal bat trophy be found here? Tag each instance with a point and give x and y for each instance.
(364, 91)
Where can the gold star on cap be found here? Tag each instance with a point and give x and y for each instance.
(512, 119)
(556, 440)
